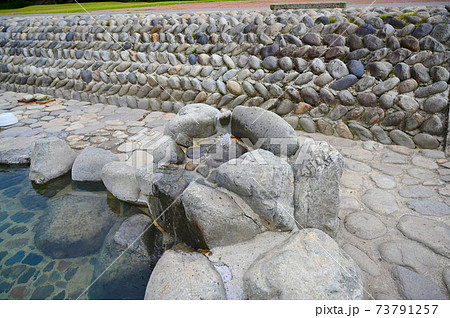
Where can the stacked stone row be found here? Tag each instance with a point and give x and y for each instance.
(381, 75)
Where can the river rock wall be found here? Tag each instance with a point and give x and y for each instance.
(380, 74)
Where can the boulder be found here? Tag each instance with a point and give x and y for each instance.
(50, 159)
(264, 129)
(120, 179)
(89, 163)
(183, 274)
(308, 265)
(317, 168)
(220, 217)
(265, 182)
(167, 151)
(16, 150)
(232, 261)
(131, 248)
(192, 121)
(75, 226)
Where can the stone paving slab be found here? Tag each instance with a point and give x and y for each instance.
(395, 219)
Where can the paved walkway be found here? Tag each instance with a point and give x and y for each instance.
(395, 201)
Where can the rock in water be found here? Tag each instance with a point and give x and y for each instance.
(182, 274)
(264, 129)
(139, 250)
(192, 121)
(308, 265)
(317, 173)
(50, 159)
(265, 182)
(220, 219)
(89, 163)
(75, 226)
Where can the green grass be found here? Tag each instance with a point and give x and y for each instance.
(94, 6)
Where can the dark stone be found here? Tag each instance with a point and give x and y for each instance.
(86, 76)
(32, 259)
(365, 29)
(344, 82)
(402, 70)
(16, 258)
(5, 287)
(372, 116)
(22, 217)
(310, 96)
(392, 43)
(312, 39)
(394, 119)
(201, 38)
(192, 59)
(356, 68)
(25, 277)
(70, 36)
(422, 30)
(42, 292)
(49, 266)
(70, 273)
(323, 20)
(357, 54)
(396, 23)
(60, 296)
(270, 50)
(367, 99)
(354, 42)
(433, 125)
(373, 42)
(17, 230)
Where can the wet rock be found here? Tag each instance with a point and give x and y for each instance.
(306, 278)
(125, 260)
(50, 159)
(76, 225)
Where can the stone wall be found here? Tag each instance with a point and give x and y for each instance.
(381, 74)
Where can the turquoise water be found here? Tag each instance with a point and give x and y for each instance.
(28, 273)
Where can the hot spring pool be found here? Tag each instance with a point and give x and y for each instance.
(27, 272)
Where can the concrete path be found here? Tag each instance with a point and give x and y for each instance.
(395, 214)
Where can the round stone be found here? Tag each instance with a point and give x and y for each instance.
(380, 201)
(429, 207)
(364, 225)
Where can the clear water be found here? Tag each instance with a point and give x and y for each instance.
(28, 273)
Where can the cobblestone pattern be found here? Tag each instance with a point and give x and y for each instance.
(376, 75)
(395, 209)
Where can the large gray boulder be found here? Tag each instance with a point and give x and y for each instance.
(308, 265)
(192, 121)
(264, 129)
(50, 159)
(182, 274)
(317, 170)
(127, 259)
(232, 261)
(76, 225)
(265, 182)
(89, 163)
(120, 179)
(220, 217)
(16, 150)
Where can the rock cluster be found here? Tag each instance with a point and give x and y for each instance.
(381, 75)
(211, 190)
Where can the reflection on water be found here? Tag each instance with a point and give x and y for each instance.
(55, 239)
